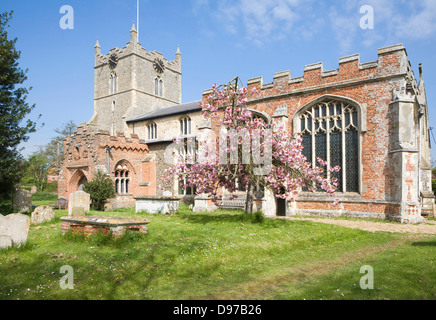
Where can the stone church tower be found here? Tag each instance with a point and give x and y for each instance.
(130, 82)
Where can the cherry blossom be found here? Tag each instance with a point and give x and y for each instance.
(272, 149)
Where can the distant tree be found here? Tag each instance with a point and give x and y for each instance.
(53, 150)
(36, 168)
(100, 189)
(14, 129)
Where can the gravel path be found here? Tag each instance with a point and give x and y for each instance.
(429, 227)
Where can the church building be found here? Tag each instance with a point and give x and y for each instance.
(369, 118)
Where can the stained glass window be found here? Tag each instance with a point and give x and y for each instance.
(330, 131)
(352, 161)
(307, 146)
(336, 155)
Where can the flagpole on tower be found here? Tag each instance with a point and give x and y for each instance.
(137, 17)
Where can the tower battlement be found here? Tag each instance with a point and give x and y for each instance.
(131, 81)
(137, 49)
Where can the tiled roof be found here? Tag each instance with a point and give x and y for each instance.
(169, 111)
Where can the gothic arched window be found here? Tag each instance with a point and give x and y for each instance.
(185, 126)
(158, 86)
(113, 84)
(122, 179)
(152, 131)
(330, 131)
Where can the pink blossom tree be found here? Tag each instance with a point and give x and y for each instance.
(249, 153)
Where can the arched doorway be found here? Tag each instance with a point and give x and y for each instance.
(77, 181)
(82, 183)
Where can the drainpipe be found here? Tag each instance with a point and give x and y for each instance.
(108, 149)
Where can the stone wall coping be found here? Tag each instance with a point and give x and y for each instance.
(108, 221)
(306, 198)
(157, 198)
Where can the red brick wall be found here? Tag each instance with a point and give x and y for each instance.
(369, 85)
(85, 153)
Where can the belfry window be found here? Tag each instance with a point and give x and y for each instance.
(113, 84)
(158, 87)
(330, 131)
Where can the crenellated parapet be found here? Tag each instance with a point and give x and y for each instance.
(82, 147)
(392, 62)
(133, 48)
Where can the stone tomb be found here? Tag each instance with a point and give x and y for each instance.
(91, 225)
(162, 205)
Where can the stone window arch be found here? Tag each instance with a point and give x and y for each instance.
(260, 115)
(158, 86)
(185, 126)
(152, 130)
(123, 177)
(331, 128)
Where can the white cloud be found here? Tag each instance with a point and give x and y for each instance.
(344, 27)
(420, 24)
(263, 21)
(257, 20)
(395, 21)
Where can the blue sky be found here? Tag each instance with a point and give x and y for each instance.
(218, 40)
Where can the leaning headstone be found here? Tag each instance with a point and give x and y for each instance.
(16, 226)
(42, 214)
(61, 204)
(79, 204)
(22, 201)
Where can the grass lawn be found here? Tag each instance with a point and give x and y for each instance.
(221, 255)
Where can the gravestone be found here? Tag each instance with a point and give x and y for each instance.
(16, 227)
(42, 214)
(61, 204)
(5, 241)
(79, 204)
(22, 201)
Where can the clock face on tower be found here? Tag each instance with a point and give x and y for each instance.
(159, 66)
(113, 61)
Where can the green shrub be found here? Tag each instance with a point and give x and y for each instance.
(100, 189)
(6, 207)
(51, 187)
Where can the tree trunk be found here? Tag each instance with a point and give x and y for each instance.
(250, 198)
